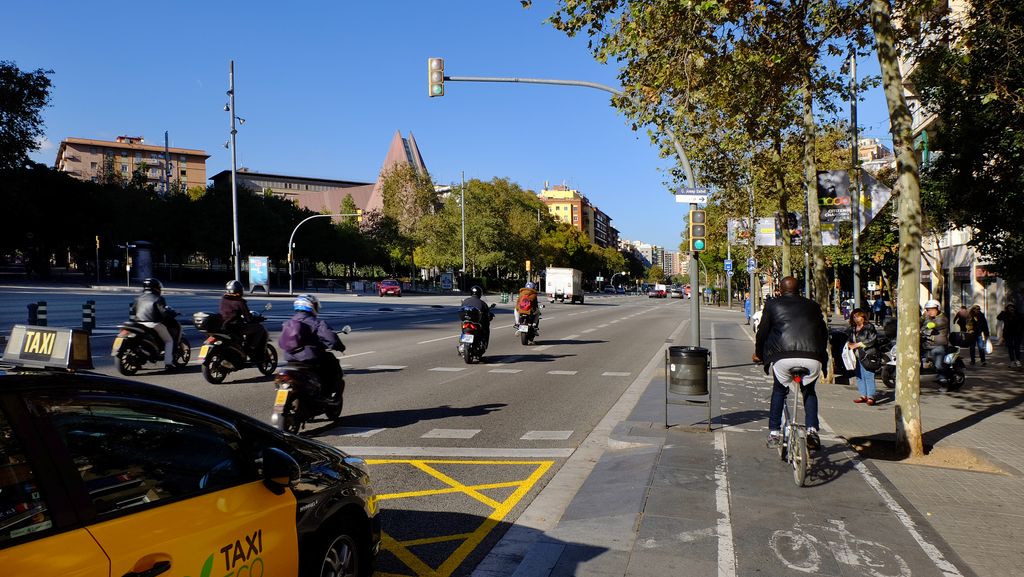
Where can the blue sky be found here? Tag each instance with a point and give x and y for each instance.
(323, 86)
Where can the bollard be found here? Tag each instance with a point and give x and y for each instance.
(41, 314)
(89, 315)
(33, 317)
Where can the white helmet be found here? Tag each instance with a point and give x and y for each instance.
(932, 304)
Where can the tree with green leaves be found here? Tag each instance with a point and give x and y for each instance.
(23, 95)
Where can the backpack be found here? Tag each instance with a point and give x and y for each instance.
(525, 304)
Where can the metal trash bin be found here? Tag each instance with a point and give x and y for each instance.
(688, 370)
(504, 298)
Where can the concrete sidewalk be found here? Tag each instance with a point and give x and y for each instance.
(657, 501)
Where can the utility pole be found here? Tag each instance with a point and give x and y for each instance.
(728, 273)
(462, 206)
(167, 164)
(855, 169)
(755, 290)
(235, 250)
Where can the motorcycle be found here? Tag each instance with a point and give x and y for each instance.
(223, 351)
(470, 347)
(299, 395)
(952, 365)
(528, 327)
(136, 344)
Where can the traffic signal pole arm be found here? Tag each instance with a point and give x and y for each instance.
(291, 239)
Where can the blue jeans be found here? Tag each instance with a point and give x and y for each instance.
(865, 381)
(979, 342)
(779, 393)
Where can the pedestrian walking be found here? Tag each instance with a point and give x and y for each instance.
(977, 332)
(878, 307)
(747, 305)
(1013, 329)
(862, 339)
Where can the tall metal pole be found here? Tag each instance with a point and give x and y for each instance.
(235, 249)
(462, 206)
(855, 166)
(728, 273)
(167, 164)
(755, 291)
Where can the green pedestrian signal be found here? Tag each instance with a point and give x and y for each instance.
(698, 230)
(435, 76)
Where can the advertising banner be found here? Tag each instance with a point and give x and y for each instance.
(874, 195)
(833, 203)
(792, 222)
(765, 233)
(259, 275)
(739, 230)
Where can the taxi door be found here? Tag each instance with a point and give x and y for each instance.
(244, 531)
(70, 554)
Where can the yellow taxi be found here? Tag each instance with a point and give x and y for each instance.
(108, 477)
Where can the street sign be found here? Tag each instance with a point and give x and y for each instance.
(692, 198)
(871, 286)
(751, 264)
(599, 279)
(728, 264)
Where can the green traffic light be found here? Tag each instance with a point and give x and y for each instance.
(436, 89)
(698, 244)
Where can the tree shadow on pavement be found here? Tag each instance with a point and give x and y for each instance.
(829, 463)
(404, 418)
(739, 417)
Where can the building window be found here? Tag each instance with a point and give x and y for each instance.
(124, 168)
(93, 150)
(92, 165)
(124, 154)
(183, 172)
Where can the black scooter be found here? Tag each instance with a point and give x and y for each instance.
(136, 344)
(300, 396)
(223, 351)
(528, 327)
(472, 346)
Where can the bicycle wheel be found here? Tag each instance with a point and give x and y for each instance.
(800, 458)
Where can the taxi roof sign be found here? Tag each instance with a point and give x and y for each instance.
(48, 348)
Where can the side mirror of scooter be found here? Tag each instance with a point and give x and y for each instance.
(346, 330)
(493, 305)
(268, 306)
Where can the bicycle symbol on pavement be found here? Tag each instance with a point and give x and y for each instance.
(800, 550)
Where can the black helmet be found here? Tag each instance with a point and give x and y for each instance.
(152, 285)
(476, 291)
(233, 287)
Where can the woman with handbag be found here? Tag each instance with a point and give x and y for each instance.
(978, 335)
(863, 341)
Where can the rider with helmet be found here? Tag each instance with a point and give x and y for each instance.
(308, 339)
(475, 301)
(935, 337)
(526, 303)
(237, 318)
(151, 310)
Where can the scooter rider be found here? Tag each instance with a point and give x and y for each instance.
(308, 339)
(475, 301)
(935, 337)
(526, 303)
(151, 310)
(237, 318)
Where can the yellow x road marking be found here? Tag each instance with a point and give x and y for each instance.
(470, 541)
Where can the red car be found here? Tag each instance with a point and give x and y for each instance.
(389, 287)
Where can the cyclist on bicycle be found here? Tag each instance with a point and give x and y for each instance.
(792, 334)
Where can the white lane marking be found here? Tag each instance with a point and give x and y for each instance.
(571, 314)
(386, 367)
(612, 322)
(542, 347)
(440, 339)
(361, 329)
(360, 354)
(546, 436)
(562, 372)
(447, 369)
(450, 434)
(585, 331)
(614, 374)
(469, 452)
(506, 371)
(362, 432)
(731, 378)
(726, 550)
(425, 321)
(625, 318)
(570, 337)
(602, 326)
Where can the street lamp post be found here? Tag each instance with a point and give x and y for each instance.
(230, 107)
(462, 206)
(612, 281)
(291, 241)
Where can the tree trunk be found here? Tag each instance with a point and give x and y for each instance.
(780, 192)
(908, 362)
(819, 287)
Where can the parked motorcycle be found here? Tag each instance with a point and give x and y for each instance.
(223, 351)
(528, 327)
(471, 347)
(300, 396)
(952, 364)
(136, 344)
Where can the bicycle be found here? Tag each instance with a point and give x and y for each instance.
(793, 448)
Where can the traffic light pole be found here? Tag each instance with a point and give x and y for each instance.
(291, 240)
(687, 170)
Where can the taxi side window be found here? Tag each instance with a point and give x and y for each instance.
(131, 453)
(22, 509)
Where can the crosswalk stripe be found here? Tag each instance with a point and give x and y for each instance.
(614, 374)
(447, 369)
(450, 434)
(562, 372)
(506, 371)
(546, 436)
(362, 432)
(386, 367)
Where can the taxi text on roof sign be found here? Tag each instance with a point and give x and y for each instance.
(46, 347)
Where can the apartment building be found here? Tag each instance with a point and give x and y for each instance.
(572, 207)
(88, 159)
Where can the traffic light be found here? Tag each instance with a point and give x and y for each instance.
(697, 230)
(359, 216)
(435, 76)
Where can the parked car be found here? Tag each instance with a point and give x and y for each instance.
(620, 290)
(115, 477)
(609, 290)
(389, 287)
(675, 293)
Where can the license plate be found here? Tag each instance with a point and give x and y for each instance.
(524, 328)
(466, 338)
(203, 351)
(281, 398)
(117, 345)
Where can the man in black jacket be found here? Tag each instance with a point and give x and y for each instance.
(792, 333)
(237, 318)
